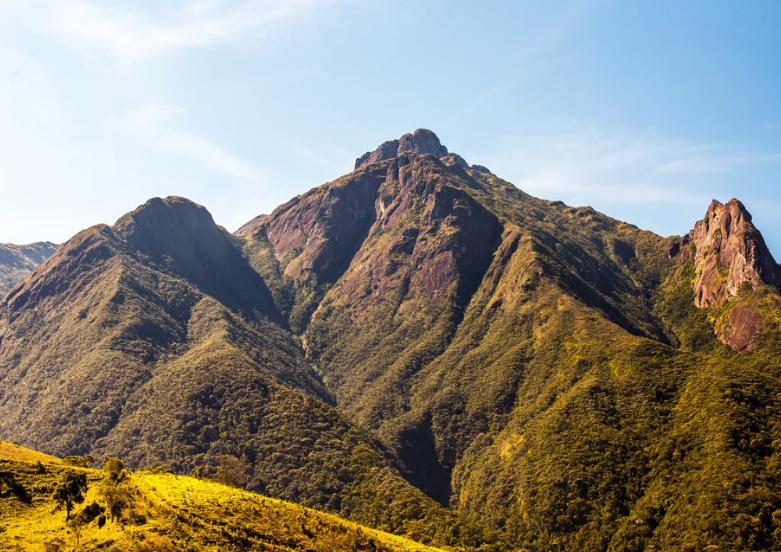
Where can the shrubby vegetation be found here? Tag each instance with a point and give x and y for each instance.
(461, 363)
(576, 399)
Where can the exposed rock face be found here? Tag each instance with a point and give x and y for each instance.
(433, 236)
(729, 252)
(429, 239)
(16, 261)
(386, 150)
(740, 328)
(420, 141)
(307, 243)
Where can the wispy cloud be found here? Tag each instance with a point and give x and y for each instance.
(716, 160)
(154, 123)
(618, 167)
(129, 35)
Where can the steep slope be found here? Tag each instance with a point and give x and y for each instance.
(542, 367)
(167, 512)
(154, 340)
(17, 261)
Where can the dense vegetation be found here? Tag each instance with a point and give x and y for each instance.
(118, 347)
(419, 346)
(566, 391)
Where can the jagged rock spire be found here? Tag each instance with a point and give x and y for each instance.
(729, 253)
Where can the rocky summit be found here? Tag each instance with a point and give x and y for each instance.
(420, 346)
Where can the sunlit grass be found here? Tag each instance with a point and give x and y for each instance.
(169, 512)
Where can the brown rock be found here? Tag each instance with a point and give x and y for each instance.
(481, 169)
(729, 253)
(422, 141)
(740, 329)
(386, 150)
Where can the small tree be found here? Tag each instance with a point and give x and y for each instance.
(77, 524)
(117, 499)
(84, 518)
(115, 493)
(231, 471)
(70, 491)
(114, 470)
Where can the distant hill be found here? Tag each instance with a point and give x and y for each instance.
(17, 261)
(166, 512)
(422, 347)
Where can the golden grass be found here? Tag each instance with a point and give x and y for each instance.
(172, 512)
(11, 451)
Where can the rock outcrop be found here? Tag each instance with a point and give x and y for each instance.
(729, 253)
(420, 141)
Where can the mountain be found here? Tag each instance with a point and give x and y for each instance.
(16, 261)
(421, 346)
(545, 368)
(154, 340)
(164, 512)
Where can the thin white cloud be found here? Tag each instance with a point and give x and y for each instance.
(153, 123)
(616, 168)
(129, 35)
(716, 160)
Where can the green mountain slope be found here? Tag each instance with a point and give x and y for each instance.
(162, 512)
(155, 341)
(542, 367)
(422, 347)
(17, 261)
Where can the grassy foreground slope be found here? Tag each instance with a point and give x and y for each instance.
(165, 512)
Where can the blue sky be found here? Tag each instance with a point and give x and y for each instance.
(644, 110)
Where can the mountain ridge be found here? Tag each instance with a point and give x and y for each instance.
(142, 362)
(16, 261)
(389, 365)
(421, 346)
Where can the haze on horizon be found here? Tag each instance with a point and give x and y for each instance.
(644, 111)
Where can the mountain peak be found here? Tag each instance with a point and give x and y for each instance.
(421, 141)
(729, 253)
(180, 236)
